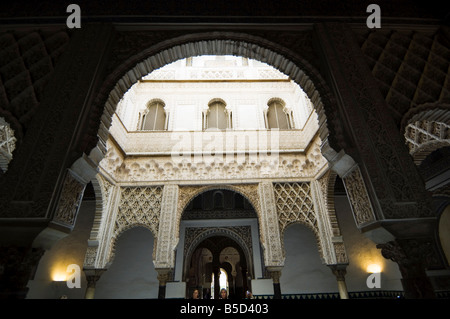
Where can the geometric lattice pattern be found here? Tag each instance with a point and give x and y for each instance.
(139, 206)
(294, 204)
(27, 61)
(411, 68)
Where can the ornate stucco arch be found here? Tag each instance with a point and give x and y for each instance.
(311, 228)
(188, 193)
(211, 43)
(426, 128)
(218, 231)
(112, 219)
(311, 204)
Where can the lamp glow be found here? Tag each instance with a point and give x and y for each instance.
(59, 277)
(374, 268)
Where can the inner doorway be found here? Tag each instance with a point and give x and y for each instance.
(220, 239)
(217, 263)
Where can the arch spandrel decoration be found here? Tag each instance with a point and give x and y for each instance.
(295, 205)
(310, 204)
(119, 209)
(189, 192)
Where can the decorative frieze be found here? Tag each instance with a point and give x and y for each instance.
(207, 167)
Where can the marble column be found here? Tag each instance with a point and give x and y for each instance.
(275, 274)
(17, 267)
(92, 276)
(411, 256)
(339, 271)
(163, 277)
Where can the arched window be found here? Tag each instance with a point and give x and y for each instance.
(277, 116)
(218, 199)
(217, 116)
(238, 201)
(154, 117)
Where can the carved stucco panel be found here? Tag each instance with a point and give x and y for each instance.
(70, 200)
(167, 239)
(358, 197)
(269, 227)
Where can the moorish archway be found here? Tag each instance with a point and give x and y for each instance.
(223, 43)
(259, 194)
(217, 219)
(216, 242)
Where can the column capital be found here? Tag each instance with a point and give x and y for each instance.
(412, 257)
(408, 253)
(275, 273)
(339, 270)
(93, 275)
(164, 275)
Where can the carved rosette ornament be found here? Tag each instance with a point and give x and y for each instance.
(92, 276)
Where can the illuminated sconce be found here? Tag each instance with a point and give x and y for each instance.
(59, 284)
(59, 277)
(373, 268)
(68, 278)
(374, 279)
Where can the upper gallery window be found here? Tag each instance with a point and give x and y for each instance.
(217, 116)
(277, 116)
(154, 117)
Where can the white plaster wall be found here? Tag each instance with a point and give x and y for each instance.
(69, 250)
(361, 252)
(187, 90)
(132, 274)
(303, 271)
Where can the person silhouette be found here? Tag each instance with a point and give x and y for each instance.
(223, 294)
(195, 294)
